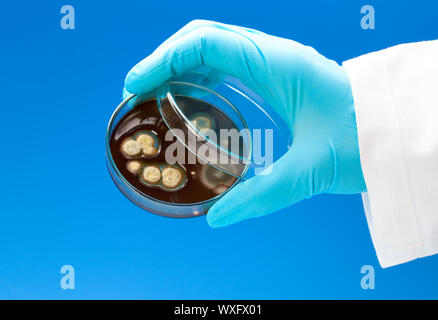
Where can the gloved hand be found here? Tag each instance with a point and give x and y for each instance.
(311, 93)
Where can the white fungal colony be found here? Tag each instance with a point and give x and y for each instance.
(202, 122)
(151, 174)
(134, 166)
(172, 177)
(162, 175)
(145, 143)
(130, 147)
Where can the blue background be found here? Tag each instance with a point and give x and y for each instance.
(59, 206)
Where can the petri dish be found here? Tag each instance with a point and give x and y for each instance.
(240, 136)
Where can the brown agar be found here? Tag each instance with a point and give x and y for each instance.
(138, 148)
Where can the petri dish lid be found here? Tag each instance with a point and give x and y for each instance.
(221, 124)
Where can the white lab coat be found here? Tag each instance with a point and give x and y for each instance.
(395, 93)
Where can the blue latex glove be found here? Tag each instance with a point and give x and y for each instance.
(311, 93)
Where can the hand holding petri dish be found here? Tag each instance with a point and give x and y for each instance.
(147, 135)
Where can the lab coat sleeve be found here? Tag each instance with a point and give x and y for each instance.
(395, 94)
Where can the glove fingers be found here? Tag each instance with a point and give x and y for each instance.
(176, 58)
(220, 48)
(125, 94)
(195, 24)
(189, 27)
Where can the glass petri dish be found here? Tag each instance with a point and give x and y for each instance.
(220, 138)
(183, 104)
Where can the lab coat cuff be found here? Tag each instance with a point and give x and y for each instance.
(388, 205)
